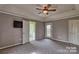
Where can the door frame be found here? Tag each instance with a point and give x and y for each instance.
(23, 39)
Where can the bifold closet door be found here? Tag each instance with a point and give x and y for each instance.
(25, 31)
(74, 31)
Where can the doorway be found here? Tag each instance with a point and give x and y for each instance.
(32, 30)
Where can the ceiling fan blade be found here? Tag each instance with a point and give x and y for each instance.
(46, 13)
(39, 8)
(39, 12)
(51, 9)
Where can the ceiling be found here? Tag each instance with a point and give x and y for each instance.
(29, 11)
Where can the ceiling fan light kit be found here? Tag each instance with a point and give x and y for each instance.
(45, 12)
(46, 8)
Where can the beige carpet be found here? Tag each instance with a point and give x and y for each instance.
(44, 46)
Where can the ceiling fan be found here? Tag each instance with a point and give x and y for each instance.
(46, 8)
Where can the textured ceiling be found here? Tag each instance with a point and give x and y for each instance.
(29, 11)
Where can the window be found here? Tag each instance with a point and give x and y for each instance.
(48, 30)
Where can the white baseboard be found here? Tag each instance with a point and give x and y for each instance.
(60, 40)
(66, 41)
(63, 41)
(9, 46)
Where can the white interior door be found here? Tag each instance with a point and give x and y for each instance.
(25, 31)
(74, 31)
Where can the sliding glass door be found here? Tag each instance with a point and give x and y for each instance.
(32, 30)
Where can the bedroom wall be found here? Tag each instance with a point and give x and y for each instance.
(9, 35)
(40, 30)
(60, 30)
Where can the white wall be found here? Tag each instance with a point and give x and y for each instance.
(60, 28)
(8, 34)
(40, 29)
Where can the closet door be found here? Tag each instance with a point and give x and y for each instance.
(77, 32)
(74, 31)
